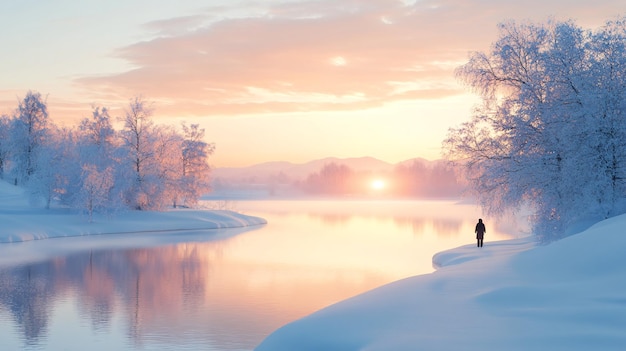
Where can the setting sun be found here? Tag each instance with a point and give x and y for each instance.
(378, 184)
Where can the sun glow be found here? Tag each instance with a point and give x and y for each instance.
(378, 184)
(338, 61)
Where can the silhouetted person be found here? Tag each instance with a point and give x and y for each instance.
(480, 232)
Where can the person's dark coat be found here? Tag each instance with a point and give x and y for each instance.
(480, 229)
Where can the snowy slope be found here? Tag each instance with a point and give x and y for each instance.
(569, 295)
(21, 222)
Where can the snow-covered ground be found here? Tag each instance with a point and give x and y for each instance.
(510, 295)
(20, 222)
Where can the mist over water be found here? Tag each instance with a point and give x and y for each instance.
(228, 294)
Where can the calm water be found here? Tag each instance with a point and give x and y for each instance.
(220, 291)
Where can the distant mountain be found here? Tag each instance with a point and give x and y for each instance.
(264, 173)
(423, 161)
(286, 179)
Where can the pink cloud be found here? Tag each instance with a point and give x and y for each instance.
(328, 55)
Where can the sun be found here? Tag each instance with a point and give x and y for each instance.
(378, 184)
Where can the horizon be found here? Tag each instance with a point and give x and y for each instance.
(329, 158)
(317, 78)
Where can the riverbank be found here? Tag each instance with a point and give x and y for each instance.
(509, 295)
(21, 222)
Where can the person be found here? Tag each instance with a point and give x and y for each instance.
(480, 232)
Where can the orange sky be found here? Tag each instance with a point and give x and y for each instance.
(268, 80)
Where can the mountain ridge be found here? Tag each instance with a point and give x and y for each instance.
(275, 170)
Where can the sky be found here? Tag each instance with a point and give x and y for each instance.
(272, 80)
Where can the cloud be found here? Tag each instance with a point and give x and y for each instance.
(176, 26)
(315, 55)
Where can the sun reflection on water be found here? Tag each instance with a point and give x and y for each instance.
(228, 294)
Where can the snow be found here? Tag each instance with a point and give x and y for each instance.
(509, 295)
(21, 222)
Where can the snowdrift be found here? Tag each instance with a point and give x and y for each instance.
(21, 222)
(510, 295)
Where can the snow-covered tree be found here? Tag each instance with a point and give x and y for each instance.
(193, 180)
(28, 134)
(5, 144)
(163, 171)
(57, 169)
(551, 127)
(95, 167)
(98, 135)
(138, 127)
(95, 190)
(607, 138)
(100, 153)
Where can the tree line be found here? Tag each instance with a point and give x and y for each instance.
(93, 167)
(414, 179)
(551, 129)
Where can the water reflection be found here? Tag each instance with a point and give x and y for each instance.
(227, 294)
(445, 217)
(166, 294)
(25, 293)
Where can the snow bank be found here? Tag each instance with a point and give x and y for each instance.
(511, 295)
(21, 222)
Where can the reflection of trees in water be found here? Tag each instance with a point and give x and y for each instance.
(417, 224)
(155, 282)
(447, 227)
(27, 292)
(146, 280)
(193, 281)
(444, 227)
(332, 219)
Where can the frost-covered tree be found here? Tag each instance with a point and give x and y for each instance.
(5, 144)
(96, 168)
(42, 184)
(550, 130)
(57, 169)
(164, 169)
(100, 154)
(98, 137)
(94, 193)
(607, 137)
(193, 179)
(138, 127)
(28, 134)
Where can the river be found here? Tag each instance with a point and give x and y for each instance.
(228, 292)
